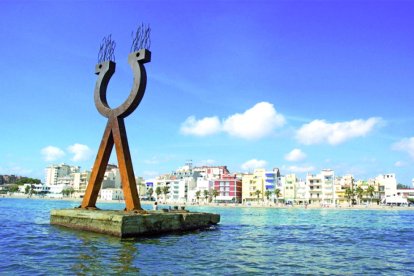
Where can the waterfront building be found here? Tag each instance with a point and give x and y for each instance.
(289, 188)
(112, 194)
(365, 198)
(55, 191)
(202, 184)
(322, 187)
(179, 183)
(141, 186)
(407, 193)
(302, 192)
(254, 185)
(55, 174)
(342, 183)
(112, 177)
(248, 187)
(229, 188)
(80, 182)
(314, 182)
(387, 185)
(212, 172)
(273, 181)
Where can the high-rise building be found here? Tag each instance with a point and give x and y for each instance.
(55, 174)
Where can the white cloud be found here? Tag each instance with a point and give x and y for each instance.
(254, 123)
(406, 145)
(320, 131)
(81, 152)
(202, 127)
(295, 155)
(300, 169)
(253, 164)
(399, 164)
(51, 153)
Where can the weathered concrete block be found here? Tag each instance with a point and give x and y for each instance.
(130, 224)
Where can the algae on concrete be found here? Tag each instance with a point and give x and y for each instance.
(130, 224)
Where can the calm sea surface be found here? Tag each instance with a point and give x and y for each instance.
(248, 241)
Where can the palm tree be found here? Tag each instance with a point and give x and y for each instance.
(198, 193)
(268, 193)
(257, 193)
(205, 192)
(158, 191)
(370, 192)
(359, 193)
(165, 191)
(150, 191)
(349, 194)
(277, 194)
(214, 193)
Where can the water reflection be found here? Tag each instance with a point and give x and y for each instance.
(104, 254)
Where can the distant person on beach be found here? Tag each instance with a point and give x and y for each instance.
(155, 206)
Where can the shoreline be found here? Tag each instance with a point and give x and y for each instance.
(230, 205)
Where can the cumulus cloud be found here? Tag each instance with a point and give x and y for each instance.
(320, 131)
(256, 122)
(51, 153)
(202, 127)
(405, 145)
(300, 169)
(295, 155)
(253, 164)
(81, 152)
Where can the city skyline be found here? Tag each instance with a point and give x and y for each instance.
(301, 86)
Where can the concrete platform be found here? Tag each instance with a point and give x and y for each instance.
(129, 224)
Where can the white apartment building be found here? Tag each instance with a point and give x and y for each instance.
(112, 194)
(80, 181)
(289, 188)
(55, 174)
(321, 187)
(212, 172)
(301, 192)
(202, 185)
(387, 185)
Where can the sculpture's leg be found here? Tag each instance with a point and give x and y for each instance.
(126, 170)
(99, 167)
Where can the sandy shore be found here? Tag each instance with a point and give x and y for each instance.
(228, 205)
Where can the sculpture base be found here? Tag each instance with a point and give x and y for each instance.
(129, 224)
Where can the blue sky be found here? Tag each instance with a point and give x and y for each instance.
(298, 85)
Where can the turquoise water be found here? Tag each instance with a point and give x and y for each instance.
(248, 241)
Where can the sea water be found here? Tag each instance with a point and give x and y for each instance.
(248, 241)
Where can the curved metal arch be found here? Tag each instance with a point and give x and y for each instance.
(105, 71)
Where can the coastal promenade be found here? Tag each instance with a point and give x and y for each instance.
(231, 205)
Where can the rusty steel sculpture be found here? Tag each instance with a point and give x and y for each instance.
(115, 132)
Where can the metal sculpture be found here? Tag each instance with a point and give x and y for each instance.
(115, 132)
